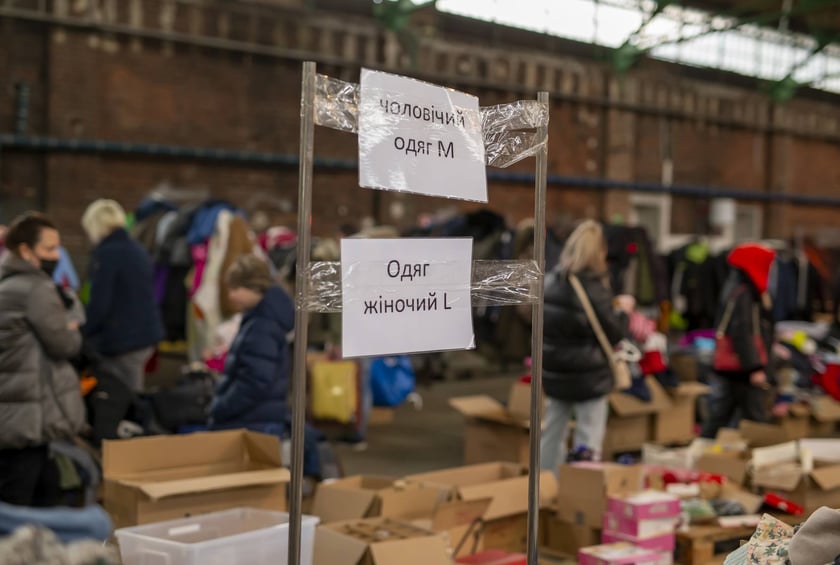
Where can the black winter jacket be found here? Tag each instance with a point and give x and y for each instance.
(741, 327)
(575, 367)
(122, 315)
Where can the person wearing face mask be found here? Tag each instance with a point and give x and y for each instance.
(123, 321)
(40, 398)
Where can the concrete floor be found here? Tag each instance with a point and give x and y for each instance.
(424, 440)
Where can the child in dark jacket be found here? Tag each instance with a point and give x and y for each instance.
(254, 389)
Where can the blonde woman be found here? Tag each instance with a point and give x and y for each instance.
(123, 321)
(576, 372)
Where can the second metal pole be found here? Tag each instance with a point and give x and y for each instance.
(537, 347)
(298, 404)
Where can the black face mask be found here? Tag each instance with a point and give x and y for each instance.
(49, 266)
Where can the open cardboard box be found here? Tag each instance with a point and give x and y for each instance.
(728, 456)
(160, 478)
(675, 424)
(378, 541)
(795, 472)
(583, 490)
(360, 497)
(629, 425)
(559, 535)
(460, 523)
(496, 432)
(504, 524)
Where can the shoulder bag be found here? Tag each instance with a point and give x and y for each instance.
(620, 368)
(726, 358)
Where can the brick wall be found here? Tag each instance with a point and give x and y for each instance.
(94, 85)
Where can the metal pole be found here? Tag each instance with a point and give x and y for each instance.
(537, 349)
(298, 404)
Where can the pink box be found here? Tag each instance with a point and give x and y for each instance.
(638, 528)
(646, 505)
(622, 554)
(665, 543)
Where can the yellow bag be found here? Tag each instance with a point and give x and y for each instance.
(335, 391)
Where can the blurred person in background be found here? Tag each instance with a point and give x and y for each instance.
(40, 397)
(123, 321)
(577, 375)
(745, 320)
(253, 392)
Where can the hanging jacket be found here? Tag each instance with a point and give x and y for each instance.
(255, 385)
(40, 398)
(575, 367)
(122, 315)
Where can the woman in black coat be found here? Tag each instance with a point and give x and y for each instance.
(745, 302)
(576, 371)
(123, 321)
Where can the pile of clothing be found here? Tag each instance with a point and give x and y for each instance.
(55, 536)
(192, 247)
(815, 542)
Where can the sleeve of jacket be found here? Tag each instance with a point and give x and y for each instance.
(259, 363)
(615, 326)
(742, 333)
(46, 314)
(102, 280)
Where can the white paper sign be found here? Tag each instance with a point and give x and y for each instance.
(418, 137)
(405, 296)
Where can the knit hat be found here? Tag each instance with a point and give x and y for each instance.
(818, 539)
(251, 272)
(755, 260)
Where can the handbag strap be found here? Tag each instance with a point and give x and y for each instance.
(593, 318)
(727, 317)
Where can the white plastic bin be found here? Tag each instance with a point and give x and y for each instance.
(240, 536)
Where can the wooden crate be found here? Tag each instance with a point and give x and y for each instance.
(701, 545)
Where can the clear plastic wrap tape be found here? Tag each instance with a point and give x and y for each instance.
(509, 130)
(494, 283)
(336, 104)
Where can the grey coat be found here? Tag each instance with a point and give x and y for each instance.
(34, 332)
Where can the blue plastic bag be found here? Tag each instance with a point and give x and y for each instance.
(391, 380)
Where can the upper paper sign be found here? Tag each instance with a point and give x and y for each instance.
(405, 296)
(418, 137)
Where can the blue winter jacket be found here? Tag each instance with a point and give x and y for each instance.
(255, 385)
(122, 315)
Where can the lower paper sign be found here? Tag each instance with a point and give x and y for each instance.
(405, 296)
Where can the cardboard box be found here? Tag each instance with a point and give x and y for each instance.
(583, 489)
(628, 427)
(378, 541)
(460, 523)
(675, 424)
(663, 543)
(360, 497)
(161, 478)
(684, 365)
(565, 537)
(495, 432)
(733, 466)
(763, 435)
(632, 529)
(792, 473)
(504, 524)
(645, 505)
(622, 553)
(826, 413)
